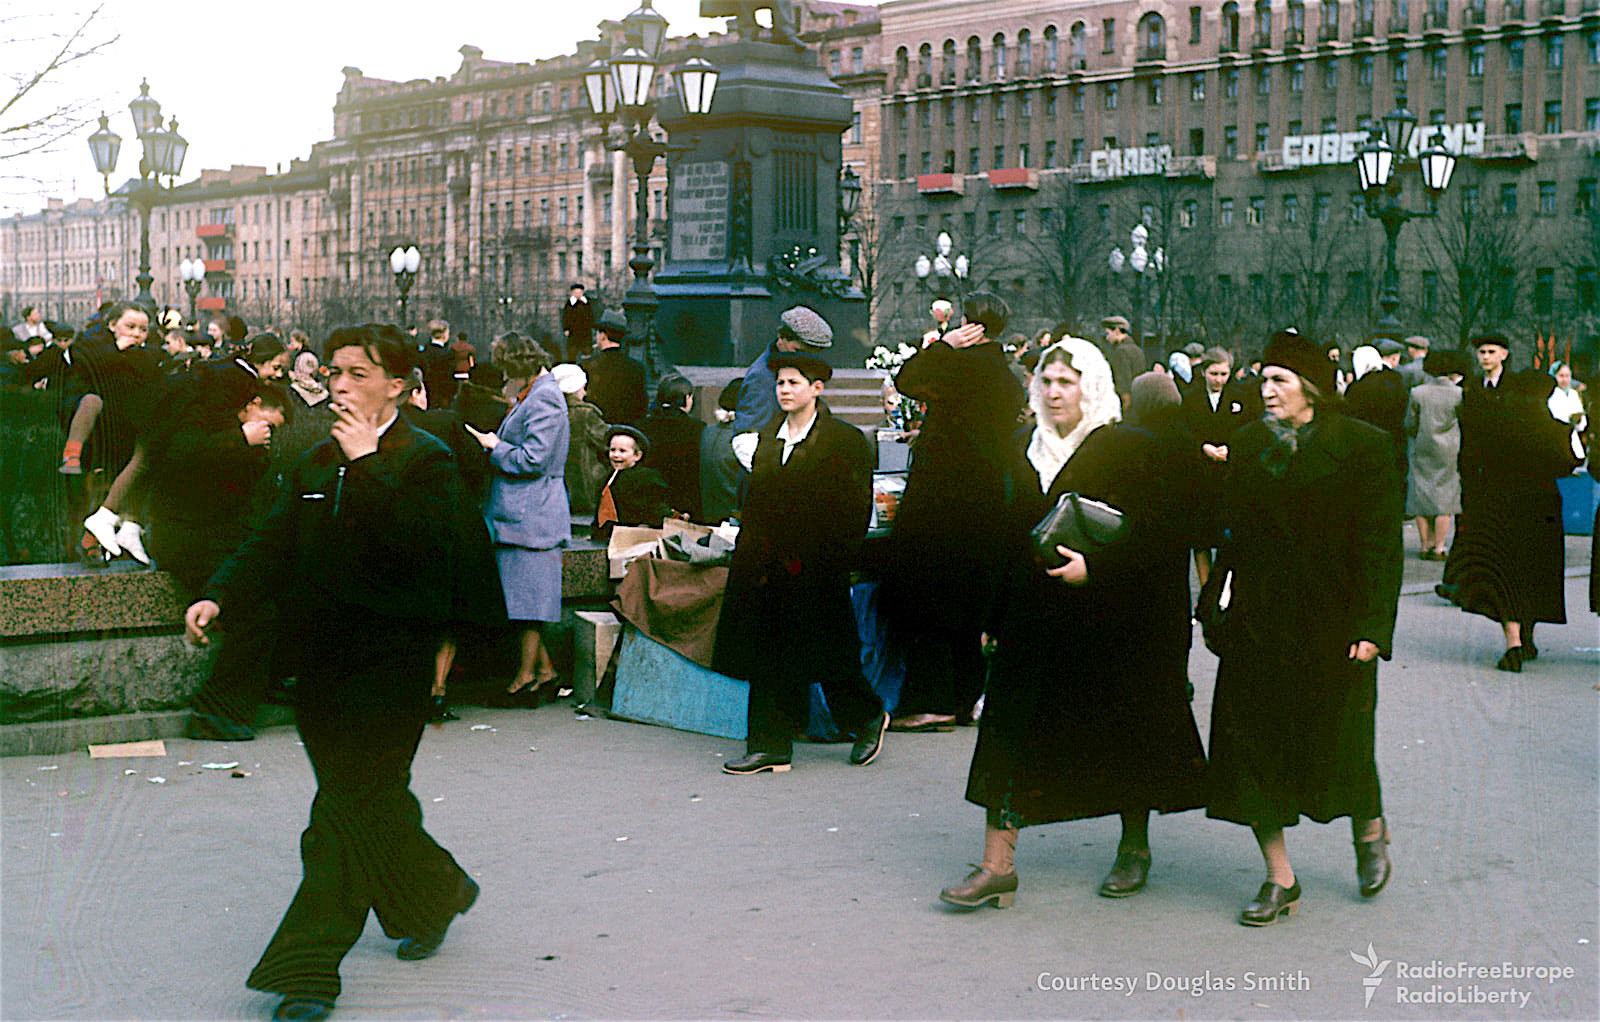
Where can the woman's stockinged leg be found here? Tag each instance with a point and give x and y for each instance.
(1276, 853)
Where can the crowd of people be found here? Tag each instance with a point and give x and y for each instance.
(398, 500)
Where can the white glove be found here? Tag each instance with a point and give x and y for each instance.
(744, 448)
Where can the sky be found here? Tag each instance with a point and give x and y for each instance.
(255, 83)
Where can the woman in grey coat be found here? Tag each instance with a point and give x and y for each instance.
(1433, 430)
(527, 511)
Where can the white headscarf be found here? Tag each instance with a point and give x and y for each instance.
(1365, 359)
(1181, 366)
(1048, 451)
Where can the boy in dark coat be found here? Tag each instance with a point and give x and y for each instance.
(786, 618)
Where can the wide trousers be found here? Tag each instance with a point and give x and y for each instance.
(364, 848)
(780, 698)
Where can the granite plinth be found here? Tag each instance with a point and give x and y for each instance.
(585, 573)
(98, 674)
(60, 599)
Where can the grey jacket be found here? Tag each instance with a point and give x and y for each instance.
(528, 497)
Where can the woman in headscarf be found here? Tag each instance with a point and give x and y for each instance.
(1566, 405)
(1087, 712)
(1313, 515)
(305, 379)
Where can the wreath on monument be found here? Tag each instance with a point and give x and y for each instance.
(800, 269)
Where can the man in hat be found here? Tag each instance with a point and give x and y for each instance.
(577, 322)
(616, 382)
(438, 364)
(1416, 352)
(1126, 357)
(786, 615)
(799, 329)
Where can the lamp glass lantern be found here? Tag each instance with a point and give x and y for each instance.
(1116, 260)
(179, 148)
(104, 145)
(192, 270)
(633, 69)
(1438, 163)
(601, 88)
(962, 266)
(1375, 162)
(397, 260)
(413, 260)
(645, 29)
(1139, 259)
(696, 82)
(849, 192)
(146, 111)
(1398, 124)
(923, 266)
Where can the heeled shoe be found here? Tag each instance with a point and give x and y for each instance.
(1529, 651)
(1128, 874)
(1372, 864)
(130, 537)
(1510, 661)
(980, 886)
(1271, 902)
(414, 949)
(919, 723)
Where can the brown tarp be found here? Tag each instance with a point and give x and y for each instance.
(674, 603)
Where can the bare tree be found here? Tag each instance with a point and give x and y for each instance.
(36, 52)
(1064, 251)
(1479, 256)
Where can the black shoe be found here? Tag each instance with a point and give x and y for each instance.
(302, 1009)
(1511, 661)
(1271, 902)
(414, 949)
(441, 712)
(870, 744)
(1372, 864)
(1445, 592)
(1529, 651)
(756, 762)
(1127, 875)
(206, 727)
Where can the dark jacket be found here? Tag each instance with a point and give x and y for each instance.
(1087, 711)
(675, 452)
(577, 322)
(758, 398)
(944, 550)
(719, 473)
(202, 492)
(639, 495)
(801, 527)
(1380, 399)
(616, 386)
(360, 556)
(471, 459)
(438, 363)
(586, 455)
(479, 407)
(1316, 555)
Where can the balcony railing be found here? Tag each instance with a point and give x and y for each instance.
(218, 266)
(1004, 178)
(1524, 147)
(218, 230)
(940, 184)
(1436, 21)
(1153, 51)
(1552, 8)
(1475, 15)
(1192, 166)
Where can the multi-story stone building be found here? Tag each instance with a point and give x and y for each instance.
(67, 258)
(1038, 133)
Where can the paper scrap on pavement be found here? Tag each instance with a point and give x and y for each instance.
(219, 766)
(128, 750)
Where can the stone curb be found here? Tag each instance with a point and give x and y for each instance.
(60, 737)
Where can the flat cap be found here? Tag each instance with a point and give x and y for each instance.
(1120, 322)
(1418, 341)
(807, 327)
(614, 324)
(1388, 346)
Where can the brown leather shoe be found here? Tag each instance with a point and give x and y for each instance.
(1127, 875)
(1271, 902)
(982, 886)
(1372, 864)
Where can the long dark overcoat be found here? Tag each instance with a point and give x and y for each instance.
(1087, 712)
(1317, 561)
(788, 592)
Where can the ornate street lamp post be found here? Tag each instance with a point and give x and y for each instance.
(1375, 163)
(163, 151)
(943, 275)
(404, 263)
(193, 272)
(1141, 261)
(625, 81)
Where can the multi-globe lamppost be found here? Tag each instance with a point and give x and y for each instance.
(1142, 262)
(624, 80)
(193, 272)
(1375, 163)
(163, 153)
(404, 262)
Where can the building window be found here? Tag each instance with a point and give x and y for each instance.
(925, 163)
(1024, 54)
(1197, 141)
(925, 114)
(1591, 115)
(1513, 54)
(1508, 199)
(1075, 152)
(1584, 284)
(1256, 214)
(1197, 85)
(1050, 154)
(1402, 66)
(999, 157)
(900, 166)
(1513, 118)
(1586, 195)
(1230, 27)
(834, 62)
(972, 160)
(949, 164)
(1322, 207)
(1264, 81)
(1469, 199)
(1230, 141)
(1475, 60)
(1049, 102)
(1544, 290)
(902, 119)
(1112, 89)
(1025, 105)
(1297, 76)
(1552, 117)
(1591, 46)
(1108, 35)
(858, 60)
(1330, 73)
(1187, 213)
(994, 221)
(1023, 153)
(999, 57)
(1052, 49)
(1156, 91)
(1230, 83)
(1291, 209)
(1020, 219)
(1261, 138)
(974, 111)
(855, 128)
(1194, 25)
(1225, 212)
(1364, 70)
(1547, 198)
(1000, 107)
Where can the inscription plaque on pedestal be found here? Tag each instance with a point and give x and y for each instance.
(699, 211)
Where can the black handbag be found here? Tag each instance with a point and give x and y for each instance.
(1212, 607)
(1077, 523)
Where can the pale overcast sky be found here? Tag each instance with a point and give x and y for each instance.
(254, 83)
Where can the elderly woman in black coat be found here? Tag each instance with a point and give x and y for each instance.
(1087, 712)
(1313, 513)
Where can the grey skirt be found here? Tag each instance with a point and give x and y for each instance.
(532, 582)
